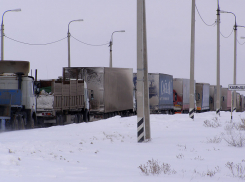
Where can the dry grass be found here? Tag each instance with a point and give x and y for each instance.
(153, 167)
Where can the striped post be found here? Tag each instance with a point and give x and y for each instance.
(191, 113)
(141, 130)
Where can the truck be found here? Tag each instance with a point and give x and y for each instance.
(17, 98)
(160, 92)
(62, 101)
(181, 95)
(226, 99)
(238, 102)
(242, 103)
(110, 90)
(213, 97)
(202, 97)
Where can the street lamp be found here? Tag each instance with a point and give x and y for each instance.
(2, 32)
(233, 103)
(111, 42)
(68, 36)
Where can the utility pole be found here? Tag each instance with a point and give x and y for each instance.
(146, 87)
(218, 63)
(235, 59)
(143, 127)
(192, 58)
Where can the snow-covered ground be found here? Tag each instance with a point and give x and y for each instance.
(107, 150)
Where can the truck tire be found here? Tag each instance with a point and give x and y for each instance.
(21, 122)
(80, 118)
(85, 116)
(30, 120)
(15, 124)
(59, 120)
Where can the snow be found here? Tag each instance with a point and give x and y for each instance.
(107, 150)
(45, 101)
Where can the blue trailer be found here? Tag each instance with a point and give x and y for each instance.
(160, 92)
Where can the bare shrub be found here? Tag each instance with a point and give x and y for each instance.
(214, 140)
(237, 170)
(242, 125)
(153, 167)
(209, 172)
(236, 139)
(213, 124)
(180, 156)
(199, 158)
(233, 126)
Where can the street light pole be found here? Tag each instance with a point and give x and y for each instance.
(111, 42)
(233, 96)
(2, 32)
(68, 39)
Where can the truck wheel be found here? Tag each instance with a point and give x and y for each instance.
(85, 116)
(21, 122)
(15, 123)
(32, 122)
(80, 118)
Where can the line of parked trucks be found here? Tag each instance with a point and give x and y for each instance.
(93, 93)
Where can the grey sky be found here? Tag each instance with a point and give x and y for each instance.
(168, 36)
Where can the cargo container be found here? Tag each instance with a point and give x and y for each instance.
(226, 99)
(243, 102)
(160, 92)
(202, 97)
(62, 101)
(181, 95)
(110, 89)
(238, 102)
(213, 97)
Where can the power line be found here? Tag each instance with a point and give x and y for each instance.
(89, 44)
(240, 43)
(225, 36)
(203, 20)
(34, 44)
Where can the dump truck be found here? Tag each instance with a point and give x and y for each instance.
(17, 98)
(62, 101)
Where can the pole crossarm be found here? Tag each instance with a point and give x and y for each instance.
(221, 11)
(110, 45)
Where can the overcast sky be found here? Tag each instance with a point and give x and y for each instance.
(168, 36)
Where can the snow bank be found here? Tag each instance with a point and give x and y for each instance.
(107, 150)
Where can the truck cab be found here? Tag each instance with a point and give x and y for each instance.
(17, 99)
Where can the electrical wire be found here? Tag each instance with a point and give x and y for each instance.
(225, 36)
(34, 44)
(89, 44)
(203, 20)
(240, 43)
